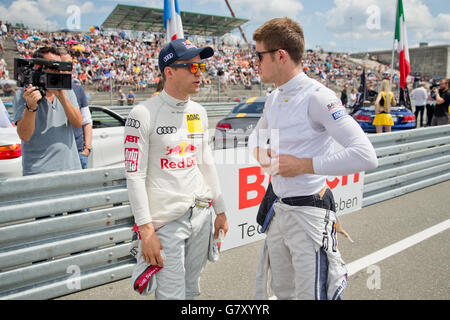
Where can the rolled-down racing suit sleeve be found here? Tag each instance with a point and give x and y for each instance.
(136, 150)
(208, 169)
(327, 113)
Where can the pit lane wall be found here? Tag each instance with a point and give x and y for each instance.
(50, 247)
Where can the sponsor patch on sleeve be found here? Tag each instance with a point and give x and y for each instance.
(334, 105)
(194, 123)
(131, 139)
(131, 159)
(339, 114)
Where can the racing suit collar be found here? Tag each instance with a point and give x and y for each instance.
(173, 102)
(293, 85)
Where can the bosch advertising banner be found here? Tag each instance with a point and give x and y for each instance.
(244, 184)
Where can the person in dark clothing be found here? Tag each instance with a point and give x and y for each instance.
(344, 98)
(440, 116)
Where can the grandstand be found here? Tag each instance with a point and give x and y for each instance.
(126, 17)
(111, 59)
(428, 61)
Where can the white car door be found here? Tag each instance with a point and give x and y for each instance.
(107, 140)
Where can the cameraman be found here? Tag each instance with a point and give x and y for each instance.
(442, 98)
(45, 125)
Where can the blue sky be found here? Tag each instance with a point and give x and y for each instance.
(338, 25)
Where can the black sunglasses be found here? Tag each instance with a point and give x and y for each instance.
(193, 66)
(260, 54)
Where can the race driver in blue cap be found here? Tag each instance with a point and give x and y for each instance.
(172, 180)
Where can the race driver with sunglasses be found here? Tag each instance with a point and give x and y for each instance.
(293, 142)
(172, 179)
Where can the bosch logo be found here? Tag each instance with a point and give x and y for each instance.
(133, 123)
(166, 130)
(167, 57)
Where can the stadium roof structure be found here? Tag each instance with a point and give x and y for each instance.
(125, 17)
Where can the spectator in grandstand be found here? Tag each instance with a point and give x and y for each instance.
(130, 98)
(7, 90)
(353, 97)
(122, 97)
(344, 98)
(3, 28)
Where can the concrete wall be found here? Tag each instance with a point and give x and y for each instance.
(428, 61)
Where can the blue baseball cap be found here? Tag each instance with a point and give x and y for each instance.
(181, 49)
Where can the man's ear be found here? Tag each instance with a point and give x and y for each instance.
(283, 55)
(168, 72)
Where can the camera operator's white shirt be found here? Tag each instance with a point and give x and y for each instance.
(307, 116)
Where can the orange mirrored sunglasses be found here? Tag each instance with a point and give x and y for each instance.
(193, 66)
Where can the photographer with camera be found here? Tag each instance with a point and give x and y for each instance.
(442, 97)
(45, 122)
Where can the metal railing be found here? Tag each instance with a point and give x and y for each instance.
(50, 247)
(407, 161)
(46, 239)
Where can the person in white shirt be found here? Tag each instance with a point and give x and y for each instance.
(352, 101)
(420, 96)
(293, 142)
(171, 176)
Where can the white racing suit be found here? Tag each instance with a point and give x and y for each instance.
(172, 182)
(188, 242)
(301, 118)
(301, 245)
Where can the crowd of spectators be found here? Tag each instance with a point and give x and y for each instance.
(131, 61)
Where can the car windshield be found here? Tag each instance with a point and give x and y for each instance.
(254, 107)
(101, 119)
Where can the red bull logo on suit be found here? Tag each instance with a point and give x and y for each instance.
(183, 149)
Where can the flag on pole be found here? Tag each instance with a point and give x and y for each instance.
(401, 43)
(172, 20)
(404, 99)
(362, 94)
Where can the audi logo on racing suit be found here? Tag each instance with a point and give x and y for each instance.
(166, 130)
(133, 123)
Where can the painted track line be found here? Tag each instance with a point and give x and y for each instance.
(360, 264)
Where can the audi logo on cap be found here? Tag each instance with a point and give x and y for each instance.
(168, 56)
(166, 130)
(133, 123)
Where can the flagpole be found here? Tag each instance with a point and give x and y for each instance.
(393, 50)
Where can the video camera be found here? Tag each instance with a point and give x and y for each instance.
(31, 71)
(434, 84)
